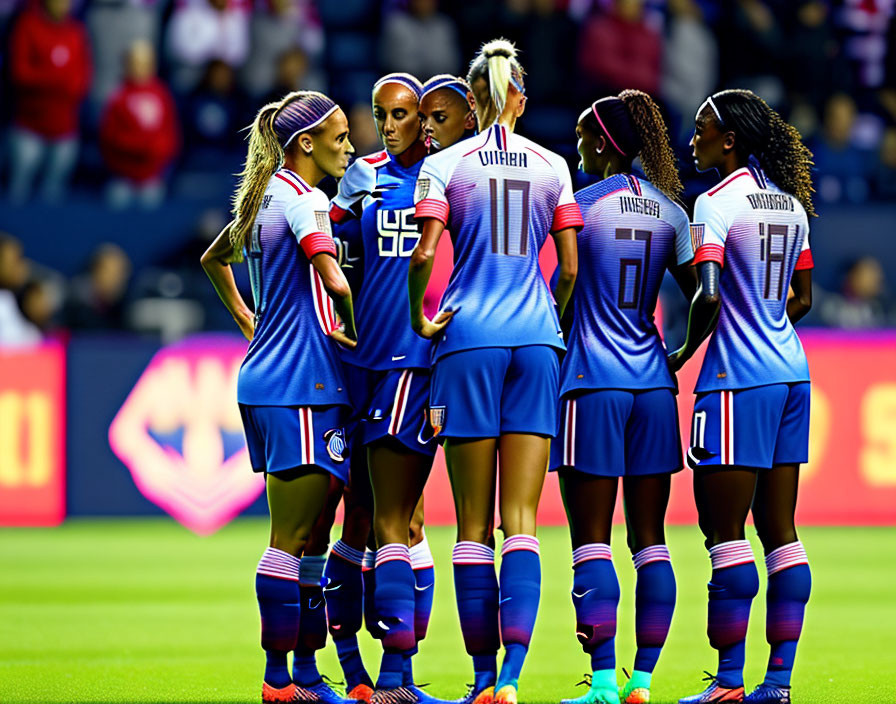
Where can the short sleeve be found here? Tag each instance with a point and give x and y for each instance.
(429, 194)
(708, 231)
(359, 181)
(309, 219)
(684, 244)
(566, 213)
(804, 260)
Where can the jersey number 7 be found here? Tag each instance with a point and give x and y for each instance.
(631, 295)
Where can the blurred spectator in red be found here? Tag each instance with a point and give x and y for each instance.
(862, 301)
(421, 41)
(139, 133)
(619, 50)
(49, 64)
(97, 298)
(201, 31)
(690, 64)
(842, 168)
(280, 27)
(15, 329)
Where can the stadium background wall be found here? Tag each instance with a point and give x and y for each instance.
(142, 430)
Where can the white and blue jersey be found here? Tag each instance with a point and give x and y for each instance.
(632, 234)
(759, 235)
(500, 195)
(291, 360)
(388, 235)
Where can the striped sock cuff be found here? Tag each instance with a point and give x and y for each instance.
(421, 556)
(279, 564)
(654, 553)
(591, 551)
(348, 553)
(789, 555)
(731, 553)
(369, 560)
(311, 570)
(392, 552)
(467, 552)
(520, 542)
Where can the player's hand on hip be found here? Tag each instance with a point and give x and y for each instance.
(430, 328)
(342, 339)
(676, 361)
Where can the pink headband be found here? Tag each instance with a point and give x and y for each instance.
(604, 128)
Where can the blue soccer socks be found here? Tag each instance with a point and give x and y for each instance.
(313, 620)
(595, 596)
(424, 589)
(476, 591)
(277, 589)
(733, 585)
(654, 606)
(789, 585)
(520, 590)
(395, 602)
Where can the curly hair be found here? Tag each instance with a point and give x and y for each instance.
(762, 133)
(657, 157)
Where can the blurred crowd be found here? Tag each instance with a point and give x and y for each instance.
(139, 102)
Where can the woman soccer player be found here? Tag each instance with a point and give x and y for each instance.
(291, 389)
(750, 428)
(389, 381)
(495, 378)
(618, 412)
(447, 112)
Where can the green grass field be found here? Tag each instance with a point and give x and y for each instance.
(144, 611)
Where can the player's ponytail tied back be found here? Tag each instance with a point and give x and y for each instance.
(655, 150)
(762, 133)
(497, 63)
(263, 158)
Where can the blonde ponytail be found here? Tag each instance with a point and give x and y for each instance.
(497, 63)
(263, 158)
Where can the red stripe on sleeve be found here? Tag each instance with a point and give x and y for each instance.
(431, 208)
(804, 261)
(567, 215)
(318, 242)
(337, 213)
(710, 253)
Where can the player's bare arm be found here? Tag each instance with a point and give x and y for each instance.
(339, 291)
(216, 263)
(419, 272)
(801, 301)
(703, 316)
(568, 264)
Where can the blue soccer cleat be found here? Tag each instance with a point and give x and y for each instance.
(715, 694)
(320, 692)
(768, 694)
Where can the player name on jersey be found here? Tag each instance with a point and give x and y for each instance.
(502, 158)
(641, 206)
(770, 201)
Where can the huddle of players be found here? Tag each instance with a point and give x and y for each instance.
(484, 376)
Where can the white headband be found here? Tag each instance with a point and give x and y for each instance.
(312, 125)
(711, 104)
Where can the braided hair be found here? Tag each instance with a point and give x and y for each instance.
(633, 126)
(763, 134)
(274, 128)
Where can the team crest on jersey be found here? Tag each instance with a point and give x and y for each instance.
(437, 419)
(266, 201)
(322, 218)
(422, 189)
(335, 444)
(697, 230)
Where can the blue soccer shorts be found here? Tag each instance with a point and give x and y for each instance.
(760, 427)
(487, 392)
(285, 437)
(618, 433)
(391, 403)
